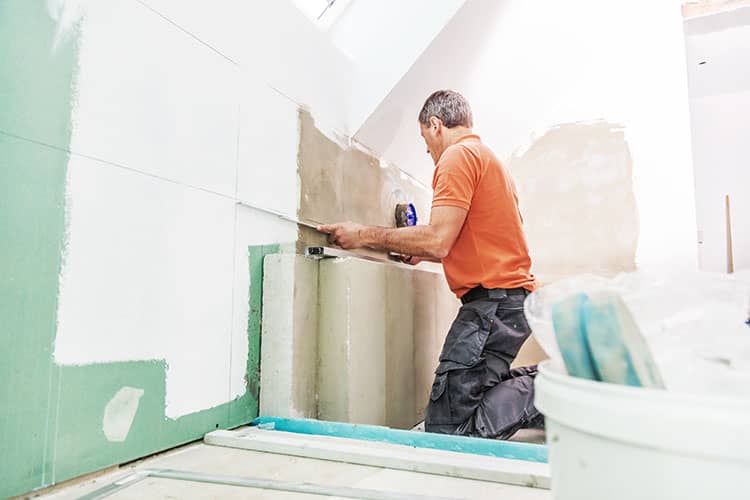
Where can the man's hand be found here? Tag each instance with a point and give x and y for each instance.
(411, 260)
(432, 242)
(347, 235)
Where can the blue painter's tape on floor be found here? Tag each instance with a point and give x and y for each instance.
(461, 444)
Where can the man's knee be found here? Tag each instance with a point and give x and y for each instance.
(501, 411)
(454, 397)
(508, 406)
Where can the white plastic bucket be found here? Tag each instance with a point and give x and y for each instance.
(613, 442)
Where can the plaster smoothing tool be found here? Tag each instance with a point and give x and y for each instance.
(404, 213)
(307, 223)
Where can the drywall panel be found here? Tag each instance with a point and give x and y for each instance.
(301, 50)
(381, 329)
(400, 332)
(352, 343)
(256, 235)
(164, 279)
(717, 47)
(278, 44)
(148, 276)
(584, 171)
(268, 141)
(289, 341)
(32, 189)
(162, 103)
(722, 167)
(36, 102)
(37, 98)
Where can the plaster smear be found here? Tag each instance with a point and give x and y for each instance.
(120, 413)
(575, 185)
(348, 184)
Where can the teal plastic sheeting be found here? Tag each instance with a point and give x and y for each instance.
(461, 444)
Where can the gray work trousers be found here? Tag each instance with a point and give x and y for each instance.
(475, 393)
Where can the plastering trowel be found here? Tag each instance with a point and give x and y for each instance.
(406, 215)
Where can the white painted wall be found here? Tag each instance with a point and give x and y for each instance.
(182, 110)
(528, 65)
(720, 117)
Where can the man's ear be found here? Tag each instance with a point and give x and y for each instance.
(435, 123)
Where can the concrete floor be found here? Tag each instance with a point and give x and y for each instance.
(223, 461)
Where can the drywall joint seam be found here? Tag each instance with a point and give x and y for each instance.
(188, 33)
(247, 204)
(265, 484)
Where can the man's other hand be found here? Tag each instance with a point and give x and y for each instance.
(347, 235)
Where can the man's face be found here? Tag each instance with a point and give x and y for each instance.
(431, 134)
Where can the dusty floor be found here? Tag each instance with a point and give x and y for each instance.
(202, 458)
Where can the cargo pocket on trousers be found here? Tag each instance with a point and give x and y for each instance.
(438, 386)
(465, 341)
(438, 410)
(456, 394)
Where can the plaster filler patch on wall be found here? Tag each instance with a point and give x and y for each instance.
(120, 412)
(575, 185)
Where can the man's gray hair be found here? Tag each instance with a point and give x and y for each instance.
(449, 106)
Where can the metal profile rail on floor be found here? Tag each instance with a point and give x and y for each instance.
(264, 484)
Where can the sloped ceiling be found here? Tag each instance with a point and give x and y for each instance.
(383, 39)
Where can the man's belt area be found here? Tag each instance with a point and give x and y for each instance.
(481, 292)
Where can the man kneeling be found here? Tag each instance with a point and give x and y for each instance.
(476, 232)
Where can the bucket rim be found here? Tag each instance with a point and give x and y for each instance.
(649, 418)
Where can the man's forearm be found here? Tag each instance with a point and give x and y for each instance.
(418, 241)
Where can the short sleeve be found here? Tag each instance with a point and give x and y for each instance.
(455, 178)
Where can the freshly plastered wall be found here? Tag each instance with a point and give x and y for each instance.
(718, 47)
(351, 340)
(586, 102)
(135, 138)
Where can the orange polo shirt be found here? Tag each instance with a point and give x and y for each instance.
(491, 248)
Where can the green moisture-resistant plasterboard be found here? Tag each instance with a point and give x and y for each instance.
(256, 255)
(51, 415)
(35, 103)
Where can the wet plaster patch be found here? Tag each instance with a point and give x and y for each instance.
(575, 186)
(348, 184)
(120, 413)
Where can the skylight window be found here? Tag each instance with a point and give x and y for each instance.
(323, 13)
